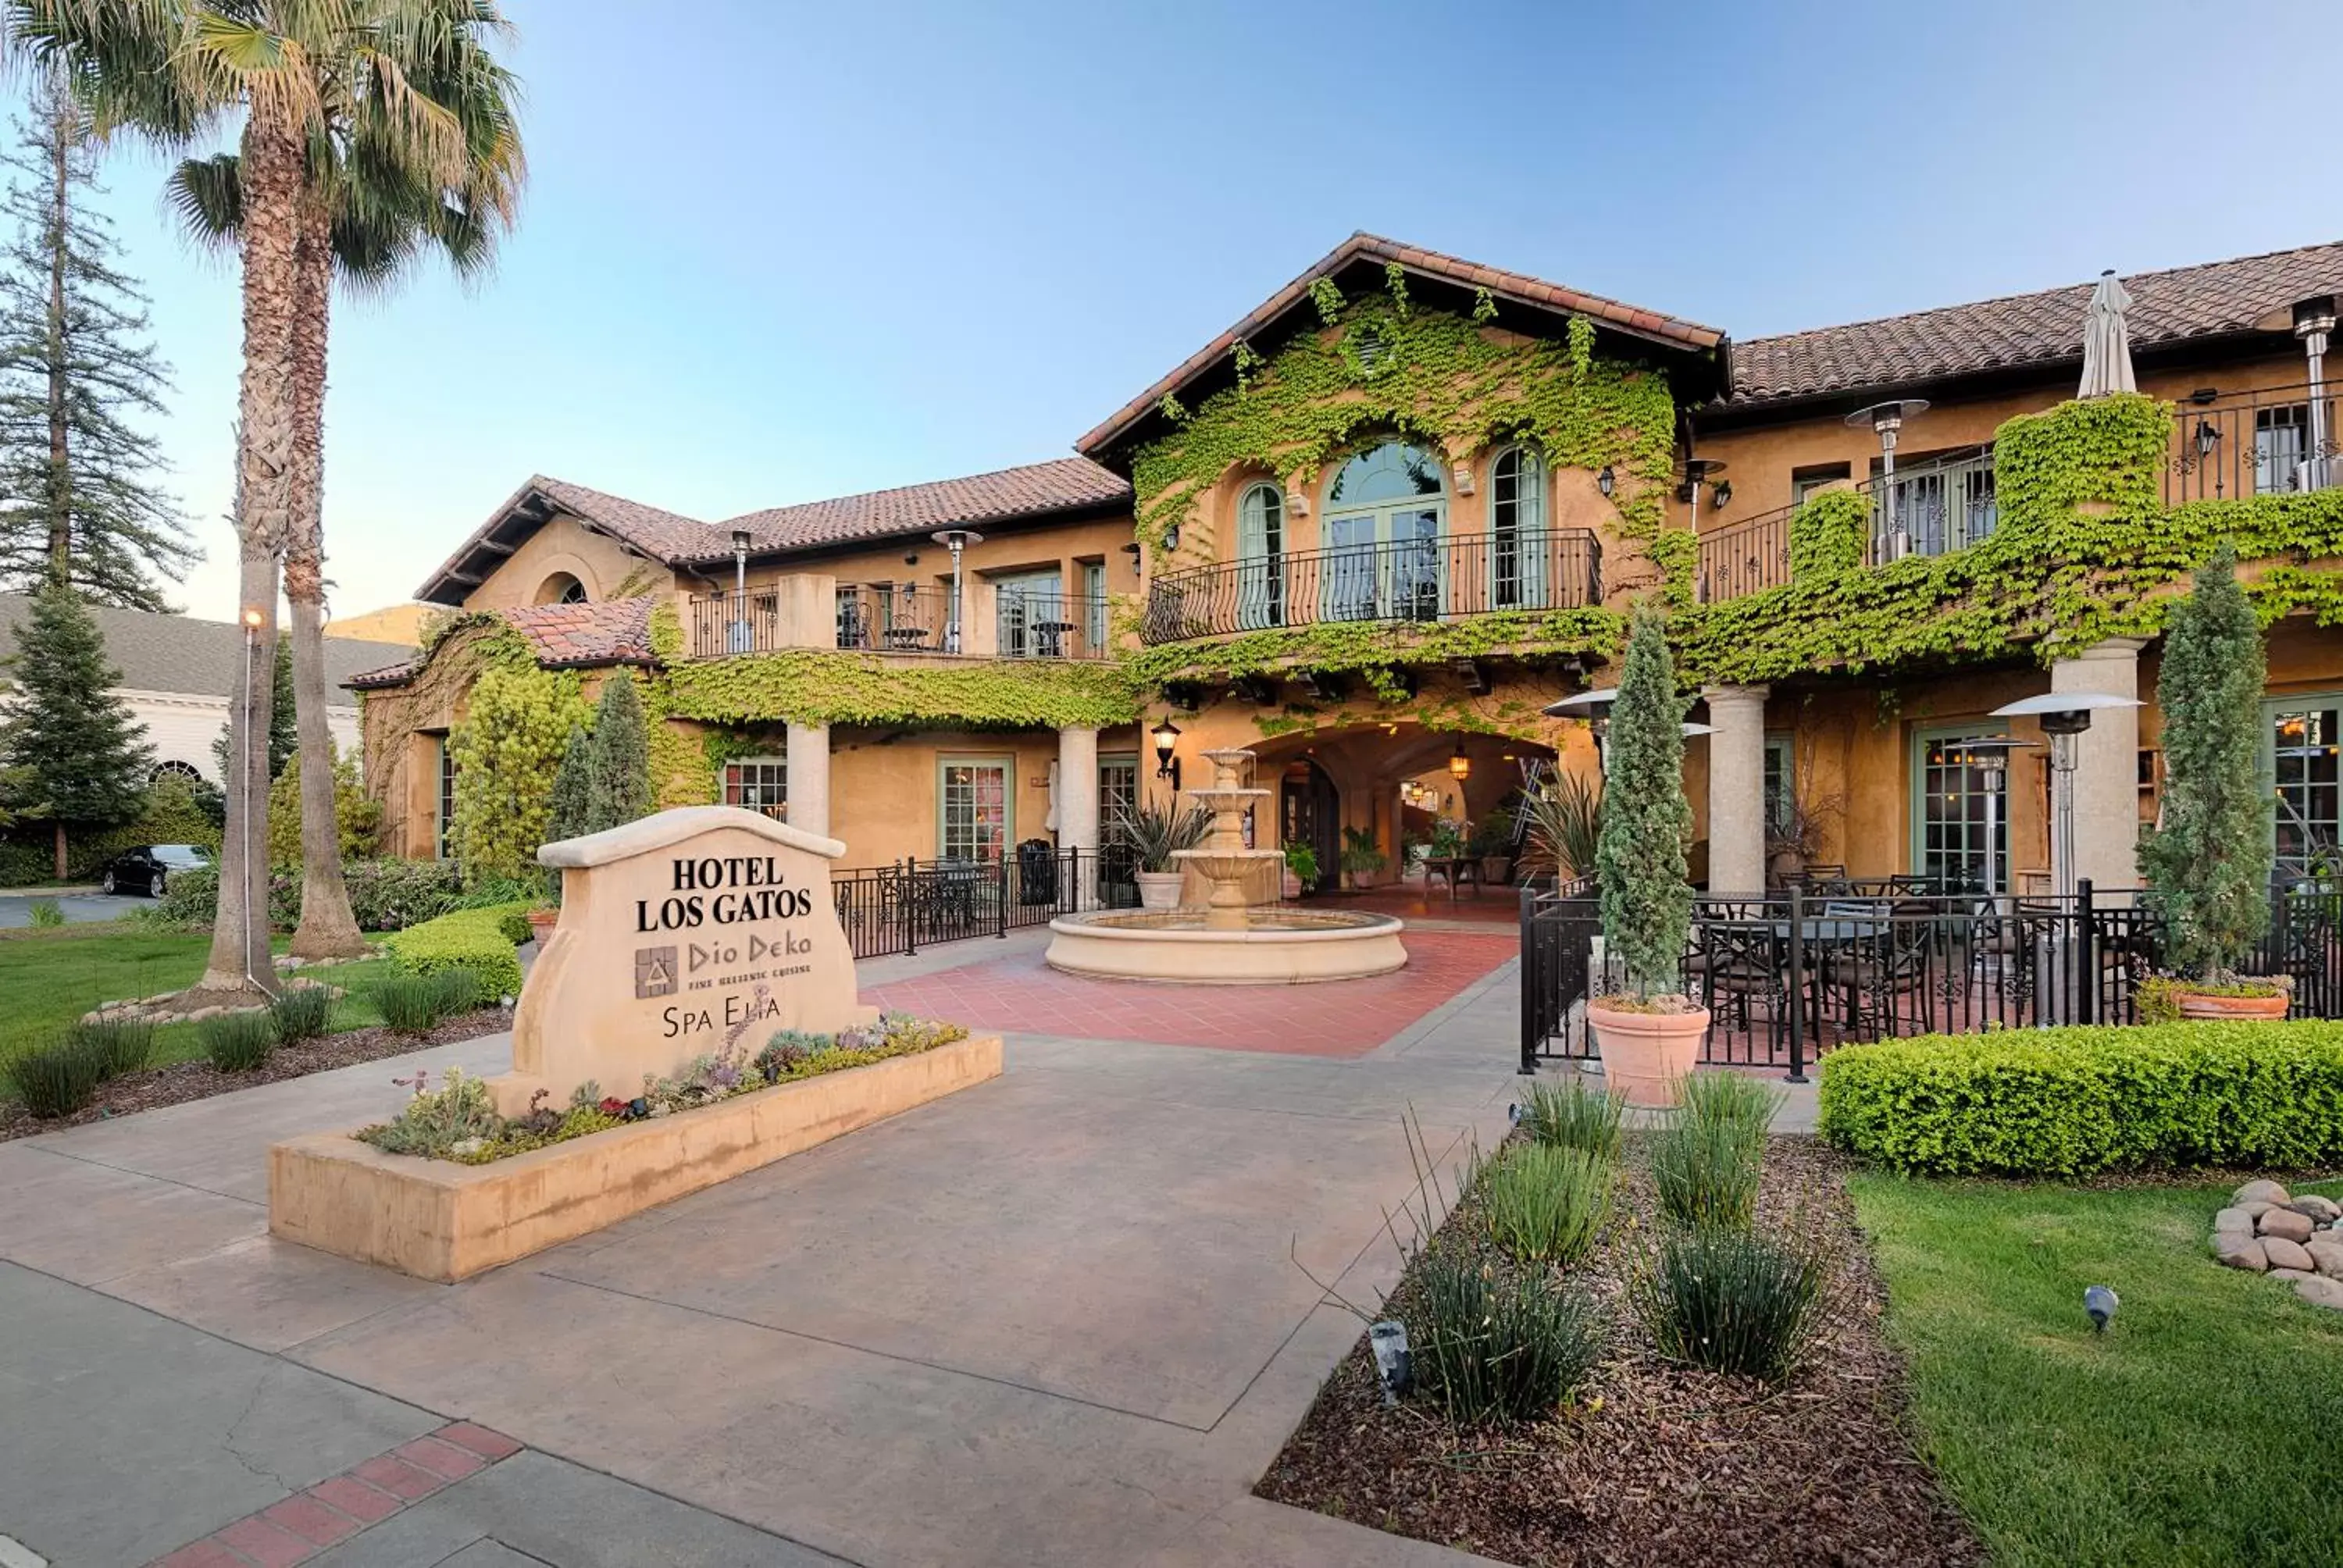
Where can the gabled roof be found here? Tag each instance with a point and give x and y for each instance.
(1062, 485)
(2245, 295)
(662, 537)
(562, 636)
(181, 655)
(1513, 288)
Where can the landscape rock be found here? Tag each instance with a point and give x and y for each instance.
(2316, 1207)
(2287, 1224)
(2262, 1192)
(2233, 1219)
(2328, 1253)
(2257, 1207)
(2237, 1251)
(2282, 1253)
(2321, 1293)
(2290, 1275)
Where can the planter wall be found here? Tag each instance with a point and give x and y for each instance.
(438, 1220)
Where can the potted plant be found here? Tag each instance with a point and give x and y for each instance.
(1649, 1033)
(1448, 839)
(2207, 866)
(1301, 868)
(542, 918)
(1155, 833)
(1565, 817)
(1361, 862)
(1493, 845)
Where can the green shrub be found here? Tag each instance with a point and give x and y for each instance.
(1572, 1116)
(301, 1012)
(384, 895)
(435, 1121)
(122, 1045)
(1731, 1300)
(1484, 1349)
(46, 914)
(238, 1041)
(1545, 1205)
(470, 939)
(514, 924)
(1706, 1163)
(410, 1004)
(2069, 1101)
(55, 1077)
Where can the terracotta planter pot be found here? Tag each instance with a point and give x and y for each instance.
(540, 925)
(1496, 869)
(2201, 1005)
(1160, 890)
(1646, 1055)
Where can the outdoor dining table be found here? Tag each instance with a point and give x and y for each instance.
(1829, 936)
(1050, 637)
(905, 638)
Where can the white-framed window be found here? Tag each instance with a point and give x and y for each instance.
(2302, 757)
(972, 806)
(1805, 487)
(1781, 782)
(1032, 614)
(1261, 556)
(1094, 607)
(444, 799)
(1517, 574)
(758, 784)
(1960, 820)
(1385, 511)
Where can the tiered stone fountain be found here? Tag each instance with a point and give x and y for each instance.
(1230, 941)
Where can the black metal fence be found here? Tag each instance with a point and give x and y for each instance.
(1410, 579)
(2271, 442)
(1745, 557)
(1788, 976)
(913, 904)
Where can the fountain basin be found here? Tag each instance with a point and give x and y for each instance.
(1274, 946)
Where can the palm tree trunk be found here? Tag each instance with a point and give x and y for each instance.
(271, 165)
(327, 928)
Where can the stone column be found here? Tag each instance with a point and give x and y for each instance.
(808, 768)
(2107, 765)
(1736, 788)
(1078, 806)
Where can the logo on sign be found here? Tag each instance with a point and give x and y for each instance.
(655, 972)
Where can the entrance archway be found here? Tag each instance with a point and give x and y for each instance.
(1309, 811)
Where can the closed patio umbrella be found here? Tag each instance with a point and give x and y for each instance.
(2106, 341)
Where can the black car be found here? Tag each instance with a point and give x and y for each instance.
(148, 867)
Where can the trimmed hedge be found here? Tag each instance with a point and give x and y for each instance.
(469, 940)
(386, 895)
(2069, 1101)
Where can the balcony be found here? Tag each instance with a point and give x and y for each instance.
(906, 619)
(2277, 442)
(1409, 581)
(1927, 510)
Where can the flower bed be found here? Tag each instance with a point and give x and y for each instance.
(459, 1120)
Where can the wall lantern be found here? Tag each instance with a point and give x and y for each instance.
(1459, 765)
(1171, 539)
(1724, 495)
(2207, 438)
(1166, 735)
(1607, 481)
(1133, 551)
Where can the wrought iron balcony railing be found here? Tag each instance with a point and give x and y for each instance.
(1408, 580)
(1931, 509)
(904, 619)
(2262, 443)
(1743, 557)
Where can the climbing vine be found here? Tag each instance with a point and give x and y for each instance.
(1380, 645)
(1828, 533)
(1380, 364)
(816, 686)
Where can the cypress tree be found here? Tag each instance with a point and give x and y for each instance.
(565, 816)
(84, 505)
(81, 754)
(1639, 857)
(618, 776)
(2207, 867)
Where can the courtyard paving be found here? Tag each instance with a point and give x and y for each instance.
(1060, 1318)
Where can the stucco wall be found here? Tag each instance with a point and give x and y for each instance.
(564, 545)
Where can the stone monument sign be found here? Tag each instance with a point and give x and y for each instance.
(682, 933)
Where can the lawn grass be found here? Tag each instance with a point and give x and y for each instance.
(48, 978)
(2200, 1430)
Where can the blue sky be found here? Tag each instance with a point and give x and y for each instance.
(785, 252)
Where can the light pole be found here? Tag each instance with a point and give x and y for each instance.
(955, 540)
(252, 618)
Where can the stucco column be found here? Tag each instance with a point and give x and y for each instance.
(1736, 788)
(2107, 765)
(809, 771)
(1078, 805)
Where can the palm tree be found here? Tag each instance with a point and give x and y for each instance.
(368, 218)
(314, 80)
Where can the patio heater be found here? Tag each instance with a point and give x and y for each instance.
(1887, 421)
(955, 540)
(2064, 716)
(1989, 755)
(1698, 471)
(1595, 706)
(742, 642)
(2313, 319)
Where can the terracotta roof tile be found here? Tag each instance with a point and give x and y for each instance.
(1062, 484)
(615, 631)
(1670, 330)
(2171, 306)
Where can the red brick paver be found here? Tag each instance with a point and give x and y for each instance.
(296, 1529)
(1335, 1018)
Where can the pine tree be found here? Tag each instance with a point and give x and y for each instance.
(82, 755)
(1646, 821)
(80, 500)
(2207, 867)
(619, 778)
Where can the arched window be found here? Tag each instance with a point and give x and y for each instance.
(1385, 510)
(1517, 531)
(186, 772)
(1261, 556)
(561, 587)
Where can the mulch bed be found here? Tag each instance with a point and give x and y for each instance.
(1656, 1464)
(199, 1079)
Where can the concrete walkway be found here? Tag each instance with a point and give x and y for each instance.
(1061, 1318)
